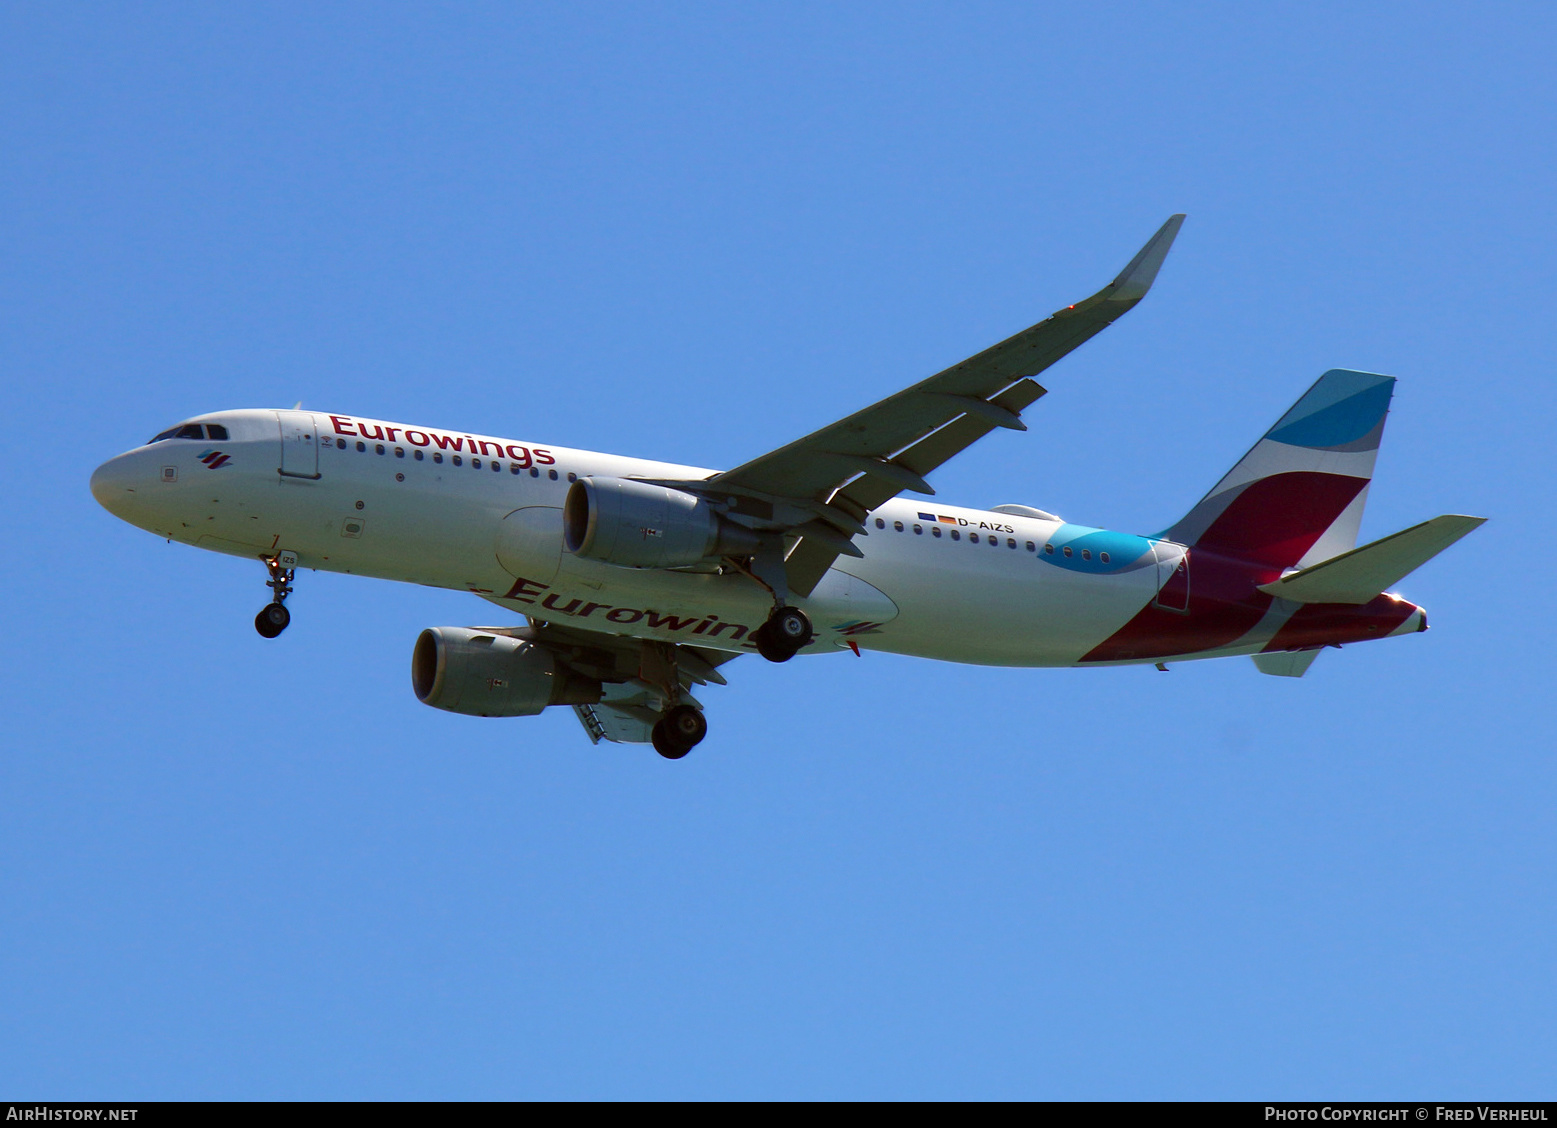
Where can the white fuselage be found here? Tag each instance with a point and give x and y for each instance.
(936, 581)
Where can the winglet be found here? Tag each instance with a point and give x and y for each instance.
(1135, 279)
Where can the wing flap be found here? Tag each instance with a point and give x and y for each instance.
(606, 722)
(1364, 573)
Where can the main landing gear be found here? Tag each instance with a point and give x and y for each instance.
(274, 616)
(679, 731)
(783, 636)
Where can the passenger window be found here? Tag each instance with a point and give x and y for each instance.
(417, 455)
(572, 477)
(475, 463)
(535, 472)
(935, 530)
(400, 452)
(974, 537)
(361, 446)
(880, 524)
(340, 444)
(513, 468)
(1086, 554)
(1048, 550)
(955, 535)
(497, 467)
(1067, 550)
(918, 530)
(378, 448)
(552, 474)
(437, 457)
(1010, 542)
(216, 431)
(1031, 547)
(897, 526)
(1103, 556)
(458, 461)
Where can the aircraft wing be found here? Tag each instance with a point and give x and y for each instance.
(842, 471)
(825, 459)
(641, 677)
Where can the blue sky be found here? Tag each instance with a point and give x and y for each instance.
(233, 868)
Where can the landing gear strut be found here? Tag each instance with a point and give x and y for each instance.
(274, 616)
(679, 731)
(783, 635)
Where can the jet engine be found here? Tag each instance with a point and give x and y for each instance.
(640, 525)
(484, 674)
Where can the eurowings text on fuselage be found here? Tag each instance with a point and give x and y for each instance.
(639, 579)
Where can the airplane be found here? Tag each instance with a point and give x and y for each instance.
(632, 581)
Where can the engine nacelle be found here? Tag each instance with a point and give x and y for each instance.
(481, 674)
(639, 525)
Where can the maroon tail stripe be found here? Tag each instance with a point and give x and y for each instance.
(1318, 624)
(1275, 520)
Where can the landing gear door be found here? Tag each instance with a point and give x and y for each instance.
(299, 445)
(1172, 576)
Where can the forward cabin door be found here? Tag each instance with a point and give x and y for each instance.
(299, 445)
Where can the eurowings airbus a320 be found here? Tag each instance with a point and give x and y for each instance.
(638, 580)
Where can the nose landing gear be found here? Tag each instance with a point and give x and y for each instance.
(274, 616)
(786, 632)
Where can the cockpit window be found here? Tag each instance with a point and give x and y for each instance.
(189, 431)
(216, 432)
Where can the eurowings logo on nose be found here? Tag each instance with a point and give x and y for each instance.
(214, 459)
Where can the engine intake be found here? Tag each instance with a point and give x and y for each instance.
(481, 674)
(639, 525)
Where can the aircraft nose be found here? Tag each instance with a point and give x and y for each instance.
(114, 484)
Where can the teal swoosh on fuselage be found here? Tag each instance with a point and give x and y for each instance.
(1126, 552)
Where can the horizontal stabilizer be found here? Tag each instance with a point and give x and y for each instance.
(1367, 572)
(1286, 663)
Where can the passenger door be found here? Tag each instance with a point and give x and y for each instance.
(299, 445)
(1172, 576)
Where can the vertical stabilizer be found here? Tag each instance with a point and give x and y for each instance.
(1297, 497)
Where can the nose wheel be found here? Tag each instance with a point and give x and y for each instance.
(783, 636)
(274, 616)
(679, 731)
(272, 620)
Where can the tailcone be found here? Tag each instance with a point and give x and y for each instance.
(1415, 621)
